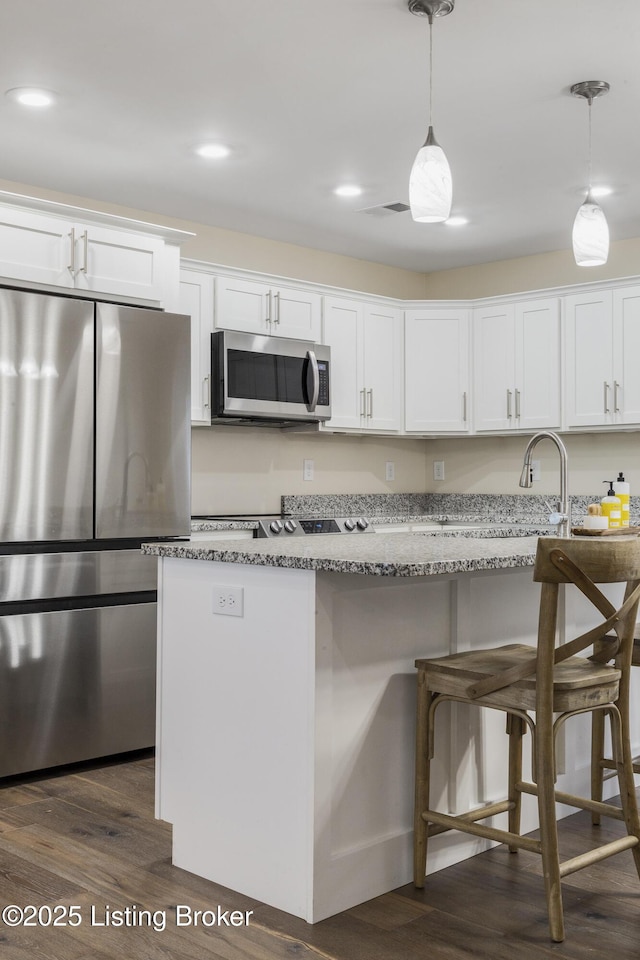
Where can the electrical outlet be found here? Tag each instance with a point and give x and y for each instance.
(438, 469)
(535, 470)
(228, 601)
(389, 470)
(307, 469)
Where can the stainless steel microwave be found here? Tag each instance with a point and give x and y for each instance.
(258, 379)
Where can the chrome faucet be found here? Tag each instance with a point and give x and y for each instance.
(563, 515)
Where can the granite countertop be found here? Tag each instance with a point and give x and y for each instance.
(380, 554)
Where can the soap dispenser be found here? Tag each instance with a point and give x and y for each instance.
(622, 490)
(611, 506)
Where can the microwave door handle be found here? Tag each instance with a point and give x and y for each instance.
(313, 389)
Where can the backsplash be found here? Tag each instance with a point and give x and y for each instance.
(508, 507)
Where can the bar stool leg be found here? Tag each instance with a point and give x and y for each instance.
(423, 765)
(545, 768)
(624, 766)
(597, 755)
(515, 731)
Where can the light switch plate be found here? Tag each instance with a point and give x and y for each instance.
(438, 469)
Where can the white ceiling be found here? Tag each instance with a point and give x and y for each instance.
(313, 93)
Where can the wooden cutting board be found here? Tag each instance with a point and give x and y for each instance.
(611, 532)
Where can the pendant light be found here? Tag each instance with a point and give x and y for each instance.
(590, 230)
(430, 189)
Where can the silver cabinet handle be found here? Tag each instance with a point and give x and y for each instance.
(616, 404)
(269, 305)
(362, 403)
(85, 250)
(369, 403)
(606, 397)
(206, 383)
(509, 411)
(276, 318)
(518, 404)
(464, 407)
(72, 253)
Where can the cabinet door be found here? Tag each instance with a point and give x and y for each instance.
(437, 370)
(494, 368)
(118, 262)
(243, 305)
(626, 384)
(342, 331)
(196, 299)
(383, 381)
(537, 327)
(296, 314)
(589, 359)
(35, 248)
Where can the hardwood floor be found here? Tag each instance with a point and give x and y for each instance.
(87, 838)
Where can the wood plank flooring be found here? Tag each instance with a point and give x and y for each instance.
(86, 837)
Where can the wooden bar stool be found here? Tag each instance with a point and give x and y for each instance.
(531, 685)
(599, 762)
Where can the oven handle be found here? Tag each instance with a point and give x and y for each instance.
(313, 389)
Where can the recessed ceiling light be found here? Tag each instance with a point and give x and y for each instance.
(348, 190)
(213, 151)
(457, 221)
(31, 96)
(601, 191)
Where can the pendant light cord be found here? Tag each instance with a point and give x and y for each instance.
(430, 67)
(589, 167)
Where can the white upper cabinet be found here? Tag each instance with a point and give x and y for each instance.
(366, 365)
(437, 370)
(196, 299)
(603, 339)
(516, 366)
(255, 307)
(56, 250)
(122, 263)
(626, 317)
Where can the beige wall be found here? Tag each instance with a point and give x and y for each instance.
(531, 273)
(246, 470)
(493, 464)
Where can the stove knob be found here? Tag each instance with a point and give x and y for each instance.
(275, 526)
(362, 523)
(290, 525)
(349, 525)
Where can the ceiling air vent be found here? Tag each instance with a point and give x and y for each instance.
(386, 209)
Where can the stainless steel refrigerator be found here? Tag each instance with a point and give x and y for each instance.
(94, 460)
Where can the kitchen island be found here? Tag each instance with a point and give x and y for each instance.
(286, 701)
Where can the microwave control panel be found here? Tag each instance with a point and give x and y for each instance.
(323, 376)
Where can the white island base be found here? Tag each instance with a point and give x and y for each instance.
(286, 735)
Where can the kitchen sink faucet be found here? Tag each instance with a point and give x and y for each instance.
(563, 515)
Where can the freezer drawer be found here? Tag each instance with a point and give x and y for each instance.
(76, 685)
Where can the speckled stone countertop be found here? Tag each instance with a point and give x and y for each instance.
(380, 554)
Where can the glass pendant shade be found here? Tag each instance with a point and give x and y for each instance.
(590, 235)
(430, 185)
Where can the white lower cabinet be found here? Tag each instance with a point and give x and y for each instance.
(38, 248)
(254, 307)
(516, 366)
(196, 299)
(366, 365)
(602, 344)
(436, 349)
